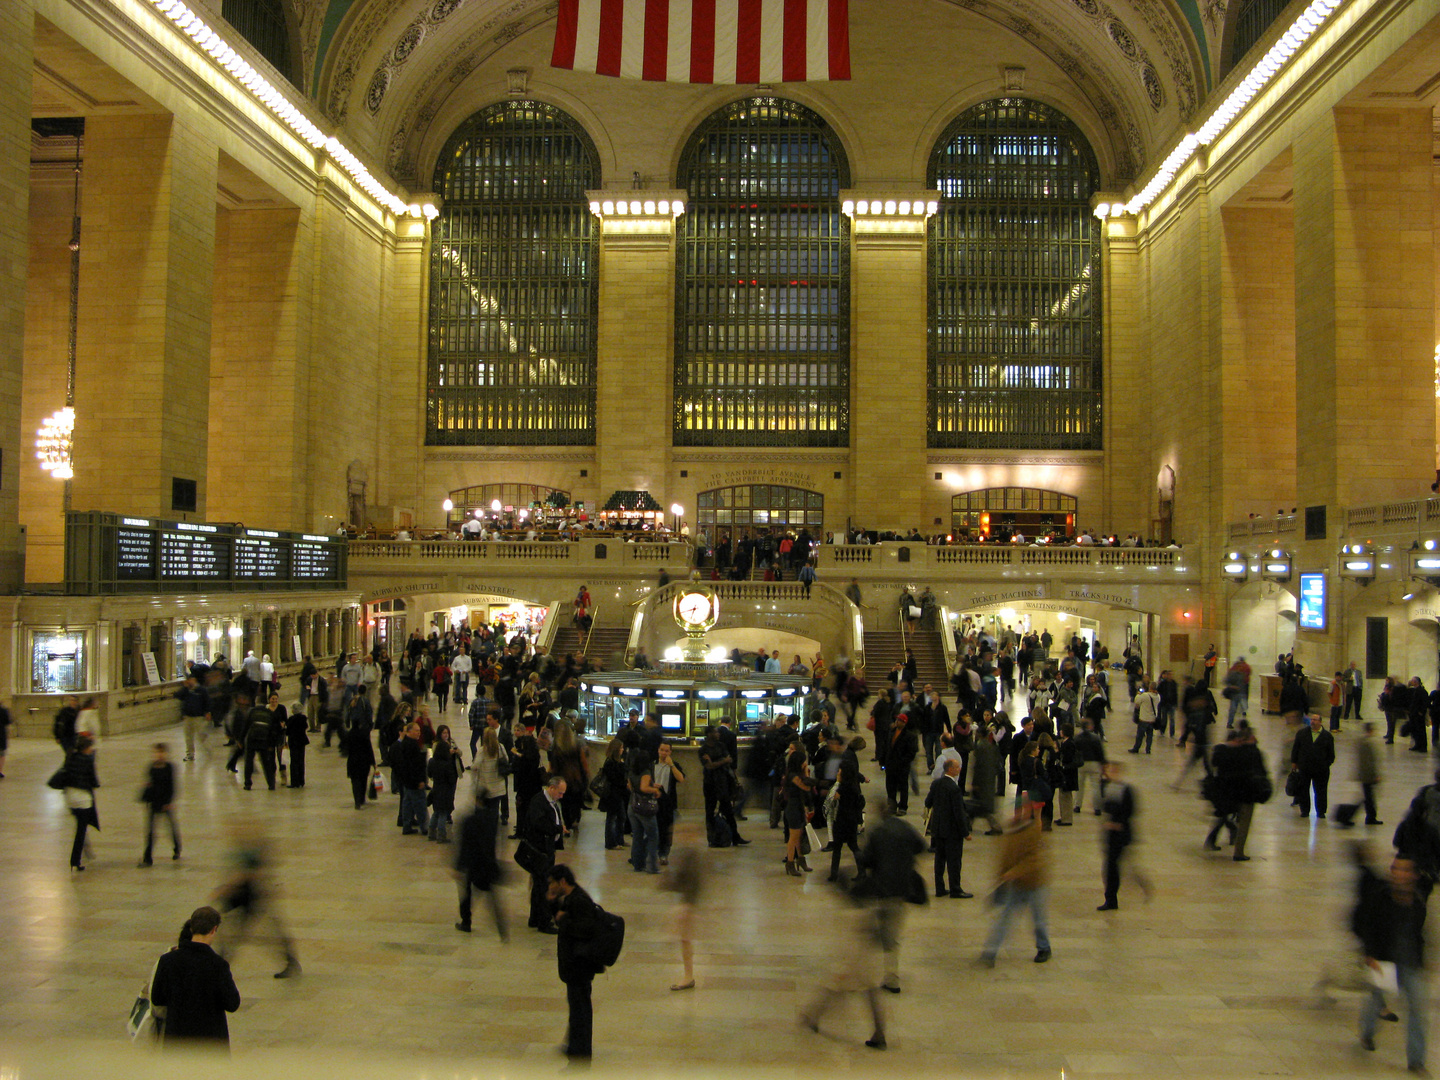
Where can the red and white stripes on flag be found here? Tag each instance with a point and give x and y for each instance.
(706, 41)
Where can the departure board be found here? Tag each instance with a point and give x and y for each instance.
(261, 557)
(110, 553)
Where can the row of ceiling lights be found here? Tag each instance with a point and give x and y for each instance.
(1258, 77)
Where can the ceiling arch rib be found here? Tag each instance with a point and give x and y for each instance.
(386, 68)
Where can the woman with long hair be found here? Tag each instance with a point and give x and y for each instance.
(78, 780)
(668, 775)
(616, 800)
(849, 808)
(567, 759)
(797, 788)
(489, 769)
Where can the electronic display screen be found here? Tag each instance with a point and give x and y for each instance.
(1312, 601)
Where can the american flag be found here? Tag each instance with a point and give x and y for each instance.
(706, 41)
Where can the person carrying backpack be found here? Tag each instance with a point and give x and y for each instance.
(581, 925)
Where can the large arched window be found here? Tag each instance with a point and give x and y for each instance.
(262, 23)
(1014, 351)
(762, 320)
(513, 282)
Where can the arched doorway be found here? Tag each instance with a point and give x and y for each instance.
(761, 508)
(1001, 512)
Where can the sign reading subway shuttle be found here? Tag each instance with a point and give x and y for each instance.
(106, 553)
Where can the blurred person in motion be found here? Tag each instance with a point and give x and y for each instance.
(252, 892)
(78, 780)
(686, 878)
(1023, 875)
(888, 861)
(1117, 834)
(858, 940)
(158, 795)
(193, 986)
(476, 867)
(1389, 919)
(1240, 780)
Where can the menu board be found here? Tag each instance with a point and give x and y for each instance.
(260, 558)
(317, 561)
(194, 555)
(134, 555)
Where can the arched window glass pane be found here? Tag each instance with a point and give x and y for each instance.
(512, 282)
(999, 513)
(1014, 350)
(762, 319)
(262, 23)
(1251, 23)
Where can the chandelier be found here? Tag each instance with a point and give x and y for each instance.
(54, 443)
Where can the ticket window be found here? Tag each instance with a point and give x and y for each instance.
(57, 662)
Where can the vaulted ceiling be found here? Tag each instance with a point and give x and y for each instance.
(386, 68)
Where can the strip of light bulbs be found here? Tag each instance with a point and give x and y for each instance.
(671, 208)
(889, 208)
(1259, 76)
(265, 92)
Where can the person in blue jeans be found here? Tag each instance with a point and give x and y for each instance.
(1024, 878)
(408, 765)
(1390, 920)
(644, 820)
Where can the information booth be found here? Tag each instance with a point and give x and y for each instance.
(686, 704)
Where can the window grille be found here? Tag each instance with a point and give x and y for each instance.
(513, 297)
(1251, 23)
(1014, 341)
(262, 23)
(762, 322)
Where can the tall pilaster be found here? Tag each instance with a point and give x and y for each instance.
(143, 341)
(888, 394)
(17, 32)
(635, 348)
(1365, 306)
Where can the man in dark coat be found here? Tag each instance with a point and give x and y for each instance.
(949, 828)
(476, 866)
(543, 833)
(1311, 756)
(889, 858)
(194, 985)
(575, 916)
(407, 765)
(904, 746)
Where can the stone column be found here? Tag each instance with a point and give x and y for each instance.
(635, 347)
(1129, 478)
(143, 343)
(17, 28)
(1365, 308)
(888, 392)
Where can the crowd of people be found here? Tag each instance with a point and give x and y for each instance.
(1017, 744)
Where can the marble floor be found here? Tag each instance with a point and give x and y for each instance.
(1212, 978)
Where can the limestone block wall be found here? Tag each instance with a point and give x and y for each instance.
(257, 469)
(1257, 381)
(46, 345)
(16, 48)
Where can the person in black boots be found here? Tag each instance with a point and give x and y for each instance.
(359, 764)
(159, 798)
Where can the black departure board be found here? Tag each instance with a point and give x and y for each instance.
(261, 557)
(110, 553)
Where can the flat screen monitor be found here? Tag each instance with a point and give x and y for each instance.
(671, 721)
(1312, 601)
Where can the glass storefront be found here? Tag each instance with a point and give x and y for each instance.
(57, 663)
(685, 707)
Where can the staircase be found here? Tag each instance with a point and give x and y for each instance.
(885, 649)
(605, 644)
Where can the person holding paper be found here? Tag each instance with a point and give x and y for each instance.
(1389, 920)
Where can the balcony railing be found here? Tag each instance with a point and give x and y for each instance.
(581, 553)
(993, 558)
(1266, 527)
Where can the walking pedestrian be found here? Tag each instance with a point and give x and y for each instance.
(158, 795)
(576, 921)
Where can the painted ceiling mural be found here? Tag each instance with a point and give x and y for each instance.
(385, 68)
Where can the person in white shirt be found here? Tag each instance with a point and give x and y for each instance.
(1147, 709)
(460, 668)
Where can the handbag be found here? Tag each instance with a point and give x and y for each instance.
(600, 786)
(1294, 785)
(57, 779)
(643, 804)
(527, 857)
(142, 1018)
